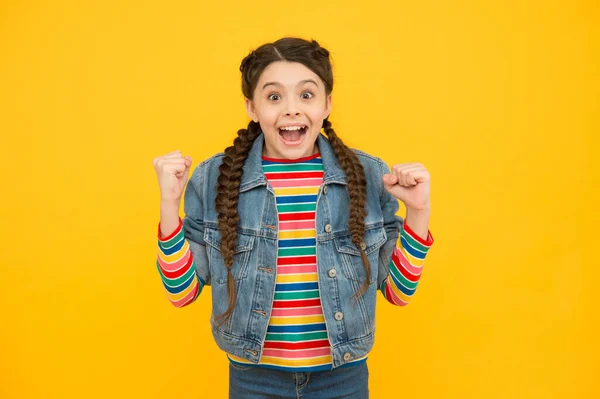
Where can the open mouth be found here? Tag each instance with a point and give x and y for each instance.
(293, 135)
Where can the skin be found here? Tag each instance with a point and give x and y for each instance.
(298, 96)
(293, 98)
(410, 183)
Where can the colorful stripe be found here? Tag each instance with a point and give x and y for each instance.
(176, 267)
(296, 335)
(296, 338)
(406, 266)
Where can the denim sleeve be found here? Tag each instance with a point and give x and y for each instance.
(392, 224)
(193, 221)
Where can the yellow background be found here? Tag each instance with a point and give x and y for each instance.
(499, 100)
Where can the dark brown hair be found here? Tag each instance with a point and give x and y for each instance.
(316, 58)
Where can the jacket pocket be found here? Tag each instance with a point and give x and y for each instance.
(351, 261)
(241, 255)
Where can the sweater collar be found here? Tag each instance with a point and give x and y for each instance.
(254, 176)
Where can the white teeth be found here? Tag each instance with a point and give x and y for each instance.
(291, 128)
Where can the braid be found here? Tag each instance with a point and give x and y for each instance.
(227, 200)
(358, 196)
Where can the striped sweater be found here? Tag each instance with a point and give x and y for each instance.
(296, 337)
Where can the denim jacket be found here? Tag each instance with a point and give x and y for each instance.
(350, 326)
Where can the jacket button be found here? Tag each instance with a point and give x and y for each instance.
(347, 356)
(325, 190)
(328, 228)
(338, 316)
(363, 246)
(332, 272)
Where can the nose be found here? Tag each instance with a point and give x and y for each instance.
(291, 107)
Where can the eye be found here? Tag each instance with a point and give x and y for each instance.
(270, 97)
(308, 92)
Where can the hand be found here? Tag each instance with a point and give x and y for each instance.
(409, 182)
(172, 171)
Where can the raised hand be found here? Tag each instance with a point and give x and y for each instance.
(172, 171)
(409, 182)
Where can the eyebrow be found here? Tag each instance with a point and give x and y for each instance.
(299, 83)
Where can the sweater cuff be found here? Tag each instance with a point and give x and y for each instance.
(173, 234)
(426, 243)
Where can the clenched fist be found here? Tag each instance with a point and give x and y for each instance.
(172, 171)
(410, 183)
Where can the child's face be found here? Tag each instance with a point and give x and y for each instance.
(288, 93)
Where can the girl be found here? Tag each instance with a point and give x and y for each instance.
(295, 232)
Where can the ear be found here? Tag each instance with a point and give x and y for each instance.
(250, 110)
(328, 105)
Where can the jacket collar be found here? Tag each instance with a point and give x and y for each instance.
(253, 174)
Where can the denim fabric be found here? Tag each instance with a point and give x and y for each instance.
(351, 333)
(247, 382)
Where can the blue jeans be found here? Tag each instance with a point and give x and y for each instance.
(247, 382)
